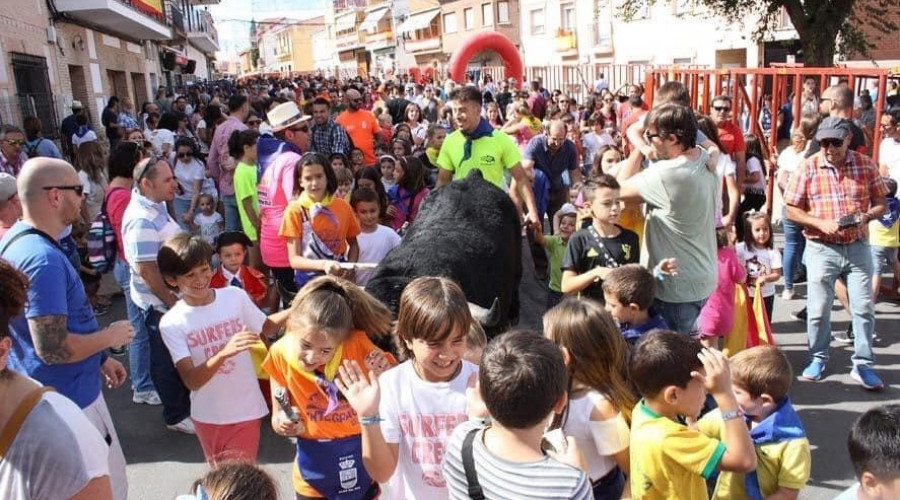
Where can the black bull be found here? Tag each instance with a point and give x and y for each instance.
(468, 231)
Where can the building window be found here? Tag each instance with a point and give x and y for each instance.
(450, 23)
(537, 21)
(567, 17)
(469, 15)
(487, 14)
(503, 12)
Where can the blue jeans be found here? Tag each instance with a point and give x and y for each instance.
(826, 262)
(139, 349)
(794, 244)
(232, 216)
(176, 398)
(680, 316)
(180, 206)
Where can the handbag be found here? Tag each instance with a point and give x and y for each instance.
(101, 240)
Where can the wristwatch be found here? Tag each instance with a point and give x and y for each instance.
(732, 414)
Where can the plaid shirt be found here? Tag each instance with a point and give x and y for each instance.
(829, 192)
(329, 139)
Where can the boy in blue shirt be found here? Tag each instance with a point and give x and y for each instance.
(629, 291)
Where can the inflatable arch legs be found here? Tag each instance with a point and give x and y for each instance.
(512, 60)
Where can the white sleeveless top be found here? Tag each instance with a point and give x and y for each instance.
(598, 440)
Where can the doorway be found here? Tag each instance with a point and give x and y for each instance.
(34, 95)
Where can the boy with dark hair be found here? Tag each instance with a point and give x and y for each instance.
(232, 247)
(604, 245)
(375, 240)
(884, 238)
(874, 446)
(555, 247)
(668, 459)
(762, 377)
(628, 292)
(522, 385)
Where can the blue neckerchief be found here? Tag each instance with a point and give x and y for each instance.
(893, 214)
(633, 332)
(782, 425)
(483, 129)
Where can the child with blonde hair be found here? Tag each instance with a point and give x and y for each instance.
(331, 321)
(600, 398)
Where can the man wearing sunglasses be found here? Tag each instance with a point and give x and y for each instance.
(58, 340)
(889, 151)
(834, 194)
(12, 140)
(731, 137)
(361, 125)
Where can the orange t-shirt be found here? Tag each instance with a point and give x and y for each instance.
(333, 235)
(361, 126)
(309, 398)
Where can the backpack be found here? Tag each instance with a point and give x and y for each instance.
(32, 151)
(101, 240)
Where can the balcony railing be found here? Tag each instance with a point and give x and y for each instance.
(177, 18)
(384, 36)
(136, 19)
(425, 45)
(342, 5)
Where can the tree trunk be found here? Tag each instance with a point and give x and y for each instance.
(818, 23)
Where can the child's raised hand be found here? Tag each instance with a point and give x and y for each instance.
(239, 343)
(475, 406)
(376, 362)
(717, 378)
(361, 391)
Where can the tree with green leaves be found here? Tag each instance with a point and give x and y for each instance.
(825, 27)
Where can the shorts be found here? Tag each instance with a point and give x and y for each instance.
(883, 259)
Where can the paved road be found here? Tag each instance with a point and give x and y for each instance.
(163, 464)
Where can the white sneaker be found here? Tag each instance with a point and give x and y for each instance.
(186, 426)
(787, 294)
(146, 398)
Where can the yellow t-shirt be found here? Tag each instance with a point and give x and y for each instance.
(669, 461)
(782, 464)
(880, 236)
(492, 155)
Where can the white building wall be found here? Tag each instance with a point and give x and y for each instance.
(202, 70)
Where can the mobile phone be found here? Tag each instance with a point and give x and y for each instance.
(849, 220)
(284, 402)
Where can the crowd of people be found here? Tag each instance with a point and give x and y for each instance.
(243, 221)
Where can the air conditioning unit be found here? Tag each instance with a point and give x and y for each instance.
(51, 34)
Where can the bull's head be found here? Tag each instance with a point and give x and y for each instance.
(486, 317)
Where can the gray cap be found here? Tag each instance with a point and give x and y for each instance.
(833, 128)
(7, 186)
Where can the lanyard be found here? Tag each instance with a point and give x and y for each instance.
(610, 261)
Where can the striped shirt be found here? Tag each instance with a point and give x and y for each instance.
(829, 192)
(546, 479)
(145, 226)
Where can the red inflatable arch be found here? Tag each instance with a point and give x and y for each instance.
(491, 40)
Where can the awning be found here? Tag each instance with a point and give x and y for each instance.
(346, 22)
(372, 19)
(418, 21)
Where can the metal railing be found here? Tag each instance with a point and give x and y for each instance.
(50, 108)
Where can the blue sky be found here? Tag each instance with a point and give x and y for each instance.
(233, 18)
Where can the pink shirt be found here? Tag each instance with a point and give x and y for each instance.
(717, 316)
(275, 191)
(221, 165)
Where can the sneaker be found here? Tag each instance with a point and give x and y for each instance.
(866, 378)
(799, 315)
(814, 370)
(100, 310)
(118, 351)
(146, 398)
(845, 338)
(186, 426)
(787, 294)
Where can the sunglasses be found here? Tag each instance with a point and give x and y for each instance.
(153, 161)
(79, 189)
(184, 155)
(648, 136)
(831, 143)
(15, 142)
(254, 122)
(722, 108)
(300, 129)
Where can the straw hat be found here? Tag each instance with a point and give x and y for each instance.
(286, 115)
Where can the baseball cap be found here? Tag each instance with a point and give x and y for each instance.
(833, 128)
(7, 186)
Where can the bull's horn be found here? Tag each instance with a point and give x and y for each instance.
(487, 317)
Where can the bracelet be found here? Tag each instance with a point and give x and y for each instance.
(373, 420)
(658, 274)
(732, 414)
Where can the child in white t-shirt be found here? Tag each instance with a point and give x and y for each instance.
(208, 224)
(406, 427)
(208, 334)
(374, 240)
(763, 262)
